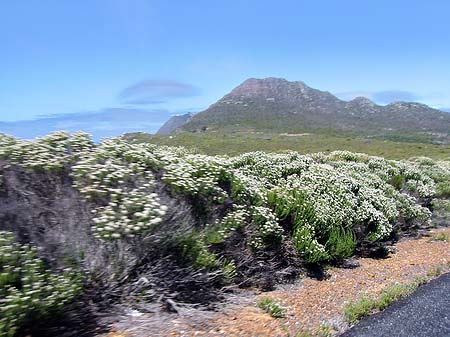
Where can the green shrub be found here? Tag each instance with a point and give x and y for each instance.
(397, 181)
(307, 245)
(193, 250)
(224, 228)
(316, 200)
(293, 206)
(272, 307)
(266, 223)
(443, 189)
(228, 271)
(341, 243)
(29, 292)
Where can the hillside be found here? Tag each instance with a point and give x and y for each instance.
(274, 104)
(92, 230)
(174, 123)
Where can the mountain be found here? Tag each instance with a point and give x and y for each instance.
(174, 123)
(282, 106)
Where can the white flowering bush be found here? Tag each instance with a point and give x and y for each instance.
(438, 171)
(312, 200)
(28, 291)
(198, 175)
(222, 229)
(116, 177)
(46, 153)
(268, 230)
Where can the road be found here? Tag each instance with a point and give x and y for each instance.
(425, 313)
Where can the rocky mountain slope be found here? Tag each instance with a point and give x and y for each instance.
(280, 105)
(174, 123)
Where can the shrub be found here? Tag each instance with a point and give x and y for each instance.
(341, 243)
(193, 250)
(266, 223)
(443, 189)
(225, 227)
(272, 307)
(316, 201)
(29, 292)
(397, 181)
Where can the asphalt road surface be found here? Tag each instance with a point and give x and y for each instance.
(425, 313)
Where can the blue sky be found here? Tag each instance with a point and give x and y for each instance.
(88, 61)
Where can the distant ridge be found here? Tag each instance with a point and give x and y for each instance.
(174, 123)
(276, 104)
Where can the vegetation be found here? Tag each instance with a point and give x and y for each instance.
(272, 307)
(29, 292)
(440, 237)
(237, 218)
(435, 272)
(321, 199)
(224, 142)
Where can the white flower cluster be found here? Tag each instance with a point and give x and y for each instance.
(306, 242)
(26, 288)
(438, 171)
(267, 224)
(129, 188)
(197, 175)
(138, 211)
(224, 228)
(46, 153)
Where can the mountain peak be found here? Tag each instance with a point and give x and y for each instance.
(278, 104)
(362, 101)
(276, 90)
(269, 86)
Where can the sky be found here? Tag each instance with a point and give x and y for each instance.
(114, 66)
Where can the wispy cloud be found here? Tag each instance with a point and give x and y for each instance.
(102, 123)
(156, 92)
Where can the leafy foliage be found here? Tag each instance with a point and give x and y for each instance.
(341, 243)
(272, 307)
(28, 292)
